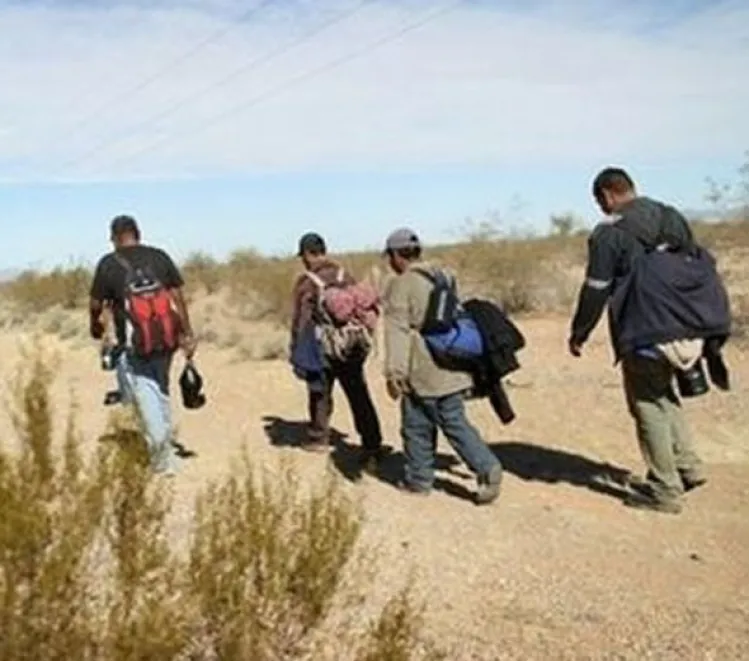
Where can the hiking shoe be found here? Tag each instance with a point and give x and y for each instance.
(316, 446)
(692, 482)
(689, 482)
(412, 489)
(369, 460)
(488, 488)
(644, 501)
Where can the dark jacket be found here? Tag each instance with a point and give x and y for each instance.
(669, 295)
(655, 296)
(501, 341)
(643, 224)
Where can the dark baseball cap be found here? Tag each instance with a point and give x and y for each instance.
(122, 225)
(402, 239)
(311, 242)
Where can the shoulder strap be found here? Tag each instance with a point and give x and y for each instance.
(123, 262)
(436, 279)
(426, 274)
(316, 279)
(340, 275)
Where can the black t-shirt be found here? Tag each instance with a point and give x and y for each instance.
(110, 275)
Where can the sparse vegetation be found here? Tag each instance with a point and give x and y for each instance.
(91, 566)
(525, 275)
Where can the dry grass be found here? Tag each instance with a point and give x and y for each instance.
(89, 571)
(526, 275)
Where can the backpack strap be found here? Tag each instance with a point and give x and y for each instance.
(316, 279)
(123, 262)
(435, 279)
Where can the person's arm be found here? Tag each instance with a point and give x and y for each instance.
(299, 308)
(174, 282)
(597, 287)
(397, 335)
(97, 298)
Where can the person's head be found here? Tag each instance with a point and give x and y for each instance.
(312, 249)
(612, 188)
(402, 247)
(124, 231)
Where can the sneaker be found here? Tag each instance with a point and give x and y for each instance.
(488, 488)
(690, 482)
(412, 489)
(316, 446)
(644, 501)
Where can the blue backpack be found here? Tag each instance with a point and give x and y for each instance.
(463, 342)
(451, 335)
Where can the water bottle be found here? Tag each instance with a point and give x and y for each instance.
(107, 358)
(692, 382)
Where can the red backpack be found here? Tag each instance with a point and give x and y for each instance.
(155, 324)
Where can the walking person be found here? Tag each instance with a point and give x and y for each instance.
(347, 367)
(431, 398)
(653, 342)
(141, 287)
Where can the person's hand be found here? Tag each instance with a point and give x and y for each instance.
(575, 348)
(96, 329)
(396, 386)
(189, 345)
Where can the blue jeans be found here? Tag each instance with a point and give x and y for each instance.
(153, 406)
(421, 418)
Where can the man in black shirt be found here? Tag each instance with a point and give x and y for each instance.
(142, 289)
(640, 224)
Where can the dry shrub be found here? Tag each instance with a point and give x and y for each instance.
(203, 271)
(740, 317)
(522, 275)
(268, 564)
(53, 511)
(393, 636)
(723, 236)
(89, 571)
(34, 292)
(261, 288)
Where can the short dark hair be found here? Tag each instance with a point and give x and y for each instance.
(410, 254)
(612, 179)
(121, 225)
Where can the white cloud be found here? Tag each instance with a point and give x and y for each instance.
(565, 83)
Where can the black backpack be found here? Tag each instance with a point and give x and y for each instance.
(443, 306)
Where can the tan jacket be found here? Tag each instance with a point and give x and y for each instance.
(406, 355)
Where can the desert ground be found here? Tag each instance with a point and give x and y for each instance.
(557, 568)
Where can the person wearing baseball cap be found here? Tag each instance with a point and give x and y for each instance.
(320, 269)
(143, 345)
(431, 398)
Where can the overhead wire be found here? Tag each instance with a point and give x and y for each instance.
(291, 82)
(249, 66)
(212, 38)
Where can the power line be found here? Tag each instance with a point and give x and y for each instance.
(215, 36)
(266, 57)
(265, 96)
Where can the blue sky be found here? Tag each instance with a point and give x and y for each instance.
(492, 106)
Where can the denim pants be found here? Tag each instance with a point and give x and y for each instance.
(153, 407)
(421, 418)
